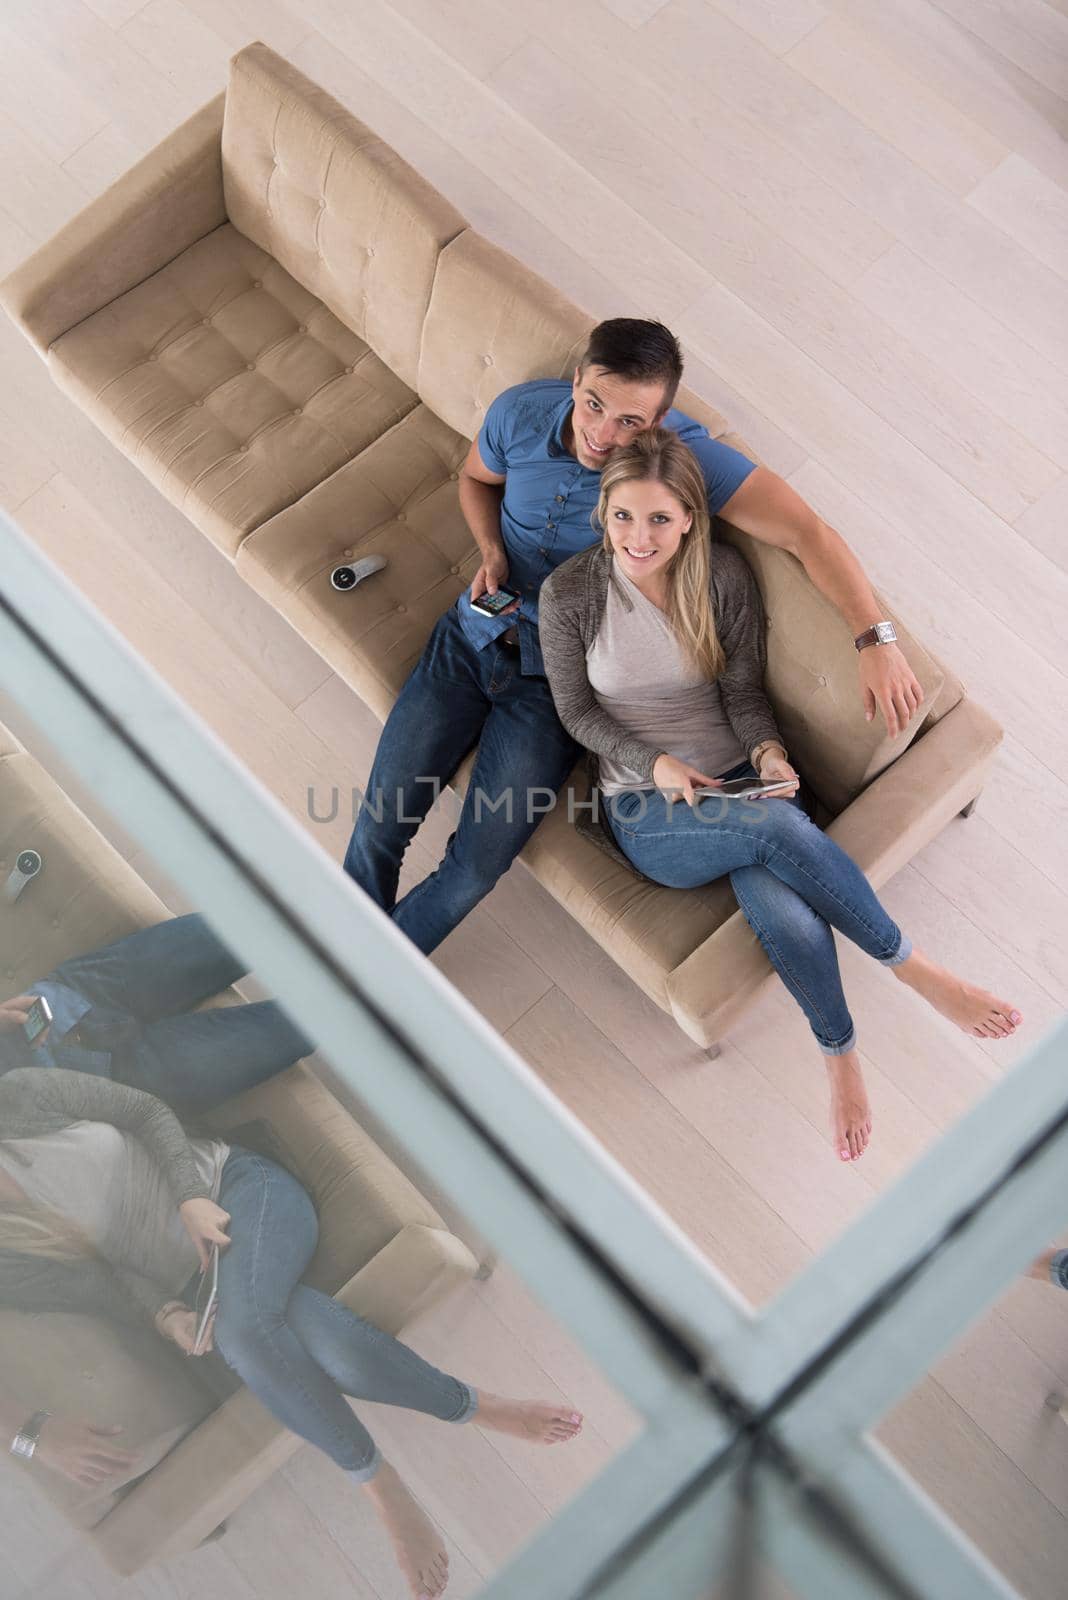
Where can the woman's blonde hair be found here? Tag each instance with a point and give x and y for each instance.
(33, 1230)
(659, 456)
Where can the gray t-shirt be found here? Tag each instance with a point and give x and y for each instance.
(642, 677)
(108, 1182)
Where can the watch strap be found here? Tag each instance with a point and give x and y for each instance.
(25, 1442)
(875, 635)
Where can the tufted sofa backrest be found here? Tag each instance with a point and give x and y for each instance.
(342, 212)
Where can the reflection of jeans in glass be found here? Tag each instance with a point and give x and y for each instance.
(455, 698)
(299, 1351)
(792, 882)
(1058, 1269)
(142, 990)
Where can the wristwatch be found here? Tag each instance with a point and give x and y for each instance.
(768, 744)
(24, 1443)
(878, 633)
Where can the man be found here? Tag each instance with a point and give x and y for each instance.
(126, 1011)
(527, 490)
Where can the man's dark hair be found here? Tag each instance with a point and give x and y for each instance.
(644, 352)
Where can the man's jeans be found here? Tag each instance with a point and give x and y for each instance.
(457, 697)
(142, 989)
(792, 882)
(299, 1351)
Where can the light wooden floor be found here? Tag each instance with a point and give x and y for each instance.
(855, 213)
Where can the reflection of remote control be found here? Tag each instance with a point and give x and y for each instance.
(27, 865)
(348, 577)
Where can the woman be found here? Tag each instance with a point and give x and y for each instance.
(654, 646)
(107, 1207)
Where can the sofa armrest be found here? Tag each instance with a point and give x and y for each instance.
(169, 200)
(214, 1469)
(882, 829)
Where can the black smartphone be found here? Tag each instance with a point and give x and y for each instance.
(491, 605)
(37, 1019)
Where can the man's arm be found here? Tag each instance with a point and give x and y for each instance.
(481, 493)
(766, 507)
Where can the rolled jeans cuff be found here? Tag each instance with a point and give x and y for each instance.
(469, 1407)
(902, 953)
(367, 1471)
(840, 1049)
(1058, 1269)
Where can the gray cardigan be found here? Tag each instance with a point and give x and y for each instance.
(571, 605)
(37, 1100)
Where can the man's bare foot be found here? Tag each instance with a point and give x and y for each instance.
(417, 1544)
(527, 1419)
(850, 1107)
(977, 1011)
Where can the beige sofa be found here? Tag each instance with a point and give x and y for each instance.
(295, 337)
(383, 1250)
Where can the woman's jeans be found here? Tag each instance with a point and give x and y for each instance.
(1058, 1269)
(299, 1351)
(792, 882)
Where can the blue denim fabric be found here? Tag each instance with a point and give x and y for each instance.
(456, 697)
(136, 1027)
(792, 882)
(1058, 1269)
(299, 1351)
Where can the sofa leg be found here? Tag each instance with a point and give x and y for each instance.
(213, 1536)
(712, 1051)
(485, 1270)
(970, 807)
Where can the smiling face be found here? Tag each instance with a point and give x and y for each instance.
(609, 411)
(645, 524)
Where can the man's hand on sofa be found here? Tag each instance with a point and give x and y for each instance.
(83, 1452)
(888, 684)
(13, 1014)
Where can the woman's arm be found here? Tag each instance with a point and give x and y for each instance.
(35, 1098)
(740, 627)
(564, 652)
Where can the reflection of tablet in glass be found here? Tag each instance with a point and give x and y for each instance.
(207, 1299)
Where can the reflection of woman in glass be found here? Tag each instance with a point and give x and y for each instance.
(654, 645)
(107, 1207)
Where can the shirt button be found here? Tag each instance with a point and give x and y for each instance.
(487, 361)
(402, 608)
(244, 449)
(560, 497)
(454, 570)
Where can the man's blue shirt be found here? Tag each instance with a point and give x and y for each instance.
(550, 497)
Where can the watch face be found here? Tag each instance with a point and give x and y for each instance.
(885, 632)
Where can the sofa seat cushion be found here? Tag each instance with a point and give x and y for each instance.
(646, 929)
(232, 387)
(397, 499)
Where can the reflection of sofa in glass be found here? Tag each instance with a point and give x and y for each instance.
(295, 337)
(383, 1250)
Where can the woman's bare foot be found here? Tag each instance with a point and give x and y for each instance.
(527, 1419)
(417, 1544)
(977, 1011)
(850, 1107)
